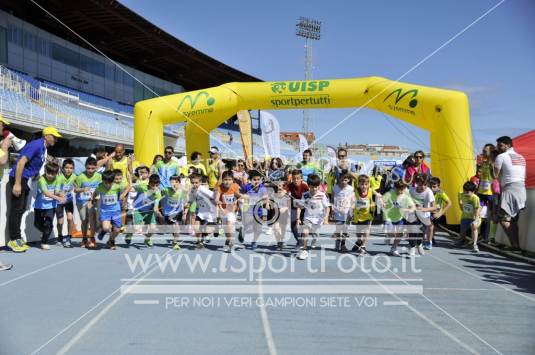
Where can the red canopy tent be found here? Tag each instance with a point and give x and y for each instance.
(525, 145)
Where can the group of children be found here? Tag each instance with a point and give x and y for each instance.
(109, 202)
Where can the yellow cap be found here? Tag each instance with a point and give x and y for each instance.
(3, 120)
(51, 130)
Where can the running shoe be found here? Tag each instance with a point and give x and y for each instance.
(176, 246)
(475, 248)
(45, 246)
(207, 239)
(228, 248)
(280, 245)
(199, 245)
(314, 242)
(101, 235)
(5, 267)
(412, 251)
(428, 245)
(15, 247)
(91, 244)
(67, 242)
(343, 248)
(111, 244)
(394, 252)
(253, 246)
(149, 243)
(421, 250)
(23, 244)
(363, 251)
(302, 254)
(128, 239)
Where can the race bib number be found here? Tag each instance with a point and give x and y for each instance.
(109, 199)
(67, 188)
(484, 185)
(468, 208)
(45, 198)
(173, 203)
(229, 199)
(365, 203)
(342, 203)
(87, 194)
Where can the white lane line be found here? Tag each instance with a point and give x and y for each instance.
(44, 268)
(184, 279)
(146, 301)
(86, 313)
(425, 318)
(482, 279)
(448, 314)
(395, 303)
(460, 289)
(265, 320)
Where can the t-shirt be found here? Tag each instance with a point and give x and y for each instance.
(307, 169)
(343, 202)
(364, 206)
(227, 196)
(35, 152)
(396, 206)
(469, 205)
(375, 182)
(145, 198)
(109, 198)
(296, 191)
(214, 171)
(512, 167)
(316, 207)
(174, 200)
(423, 199)
(83, 181)
(165, 171)
(485, 182)
(441, 199)
(206, 208)
(255, 194)
(121, 165)
(43, 185)
(66, 186)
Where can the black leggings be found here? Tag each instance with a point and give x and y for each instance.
(44, 222)
(17, 208)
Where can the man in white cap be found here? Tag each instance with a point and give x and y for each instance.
(6, 143)
(26, 167)
(215, 168)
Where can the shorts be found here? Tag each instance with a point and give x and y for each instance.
(503, 216)
(437, 221)
(466, 224)
(485, 200)
(229, 217)
(395, 227)
(141, 218)
(68, 207)
(311, 227)
(112, 216)
(84, 211)
(174, 219)
(43, 220)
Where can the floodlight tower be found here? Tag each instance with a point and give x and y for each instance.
(309, 29)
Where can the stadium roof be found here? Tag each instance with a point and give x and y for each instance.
(127, 38)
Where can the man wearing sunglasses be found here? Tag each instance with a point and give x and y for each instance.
(167, 167)
(342, 165)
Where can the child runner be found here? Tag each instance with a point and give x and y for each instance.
(108, 195)
(45, 203)
(146, 206)
(226, 196)
(256, 200)
(424, 200)
(65, 189)
(470, 206)
(295, 189)
(173, 207)
(343, 200)
(141, 176)
(316, 206)
(205, 210)
(363, 214)
(396, 204)
(280, 212)
(85, 184)
(443, 204)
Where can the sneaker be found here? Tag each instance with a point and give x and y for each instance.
(343, 248)
(5, 267)
(111, 244)
(363, 251)
(253, 246)
(122, 229)
(101, 235)
(314, 242)
(421, 250)
(428, 246)
(21, 243)
(45, 246)
(176, 246)
(207, 239)
(199, 245)
(91, 244)
(15, 247)
(394, 252)
(128, 239)
(149, 243)
(412, 251)
(475, 248)
(67, 242)
(302, 254)
(280, 245)
(228, 248)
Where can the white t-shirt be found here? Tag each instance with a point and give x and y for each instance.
(315, 207)
(206, 208)
(342, 202)
(423, 199)
(512, 167)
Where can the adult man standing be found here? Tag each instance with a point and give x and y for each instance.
(215, 168)
(306, 166)
(6, 143)
(510, 169)
(121, 162)
(26, 167)
(167, 167)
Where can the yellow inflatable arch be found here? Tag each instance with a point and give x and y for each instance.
(444, 113)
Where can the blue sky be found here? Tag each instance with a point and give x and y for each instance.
(493, 61)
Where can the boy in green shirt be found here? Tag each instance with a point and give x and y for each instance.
(470, 206)
(65, 189)
(397, 204)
